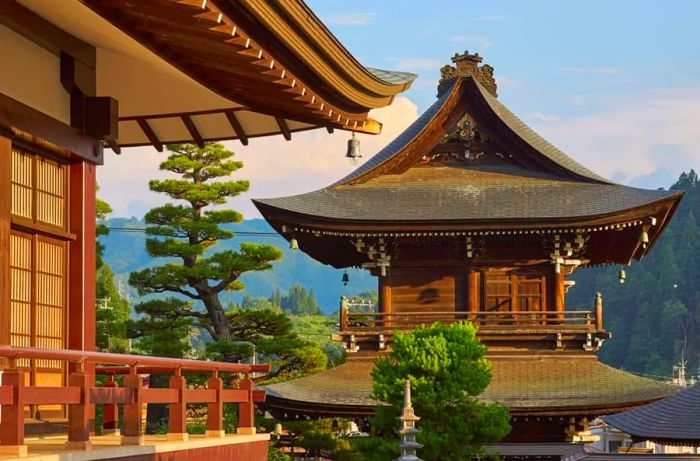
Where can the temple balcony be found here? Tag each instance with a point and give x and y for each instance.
(225, 383)
(370, 330)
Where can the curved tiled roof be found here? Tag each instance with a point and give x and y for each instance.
(528, 385)
(450, 193)
(673, 420)
(392, 76)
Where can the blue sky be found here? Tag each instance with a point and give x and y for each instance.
(615, 84)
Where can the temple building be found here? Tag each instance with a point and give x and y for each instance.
(471, 215)
(83, 76)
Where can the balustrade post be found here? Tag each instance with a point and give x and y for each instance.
(133, 423)
(246, 410)
(79, 413)
(110, 411)
(12, 423)
(177, 415)
(598, 311)
(215, 410)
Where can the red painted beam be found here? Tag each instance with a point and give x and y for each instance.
(200, 395)
(234, 395)
(51, 395)
(6, 395)
(111, 395)
(160, 395)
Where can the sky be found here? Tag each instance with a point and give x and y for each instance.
(615, 84)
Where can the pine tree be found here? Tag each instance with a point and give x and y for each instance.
(113, 313)
(187, 232)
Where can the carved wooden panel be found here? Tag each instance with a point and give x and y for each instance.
(515, 290)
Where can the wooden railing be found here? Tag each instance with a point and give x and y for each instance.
(81, 395)
(358, 322)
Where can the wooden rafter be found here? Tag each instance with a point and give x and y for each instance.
(236, 125)
(284, 128)
(194, 132)
(150, 134)
(114, 145)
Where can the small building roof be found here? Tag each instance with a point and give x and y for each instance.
(528, 385)
(674, 420)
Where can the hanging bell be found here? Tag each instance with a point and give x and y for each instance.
(622, 276)
(353, 152)
(293, 244)
(644, 238)
(346, 278)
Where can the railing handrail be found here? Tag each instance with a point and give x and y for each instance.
(69, 355)
(469, 313)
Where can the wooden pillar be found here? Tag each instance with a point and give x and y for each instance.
(385, 305)
(81, 255)
(559, 293)
(473, 290)
(79, 413)
(110, 411)
(81, 304)
(5, 208)
(12, 423)
(133, 425)
(246, 410)
(215, 410)
(177, 414)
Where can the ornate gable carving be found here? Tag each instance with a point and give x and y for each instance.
(467, 64)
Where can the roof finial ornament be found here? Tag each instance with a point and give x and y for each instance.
(467, 64)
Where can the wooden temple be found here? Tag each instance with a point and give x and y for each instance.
(471, 215)
(81, 76)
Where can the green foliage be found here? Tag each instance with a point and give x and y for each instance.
(655, 314)
(299, 301)
(186, 234)
(275, 454)
(112, 315)
(161, 330)
(316, 443)
(102, 209)
(447, 370)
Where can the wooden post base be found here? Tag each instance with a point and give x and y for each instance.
(178, 436)
(14, 450)
(132, 440)
(245, 430)
(116, 432)
(216, 434)
(83, 445)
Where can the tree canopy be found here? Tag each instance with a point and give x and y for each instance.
(447, 370)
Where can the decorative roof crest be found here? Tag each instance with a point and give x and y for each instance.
(467, 64)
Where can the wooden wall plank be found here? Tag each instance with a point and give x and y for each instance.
(5, 207)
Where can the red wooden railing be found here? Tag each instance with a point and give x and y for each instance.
(80, 395)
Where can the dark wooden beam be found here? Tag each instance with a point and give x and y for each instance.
(45, 34)
(330, 129)
(284, 128)
(194, 132)
(36, 126)
(114, 145)
(150, 134)
(236, 125)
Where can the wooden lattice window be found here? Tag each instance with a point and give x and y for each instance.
(39, 190)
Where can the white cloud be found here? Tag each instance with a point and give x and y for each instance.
(589, 70)
(490, 18)
(416, 64)
(503, 81)
(478, 41)
(542, 117)
(275, 167)
(631, 138)
(350, 19)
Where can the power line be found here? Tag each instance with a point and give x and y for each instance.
(243, 233)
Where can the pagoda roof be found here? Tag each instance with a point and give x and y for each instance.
(521, 178)
(196, 71)
(528, 385)
(674, 420)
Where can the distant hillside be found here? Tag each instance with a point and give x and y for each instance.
(126, 252)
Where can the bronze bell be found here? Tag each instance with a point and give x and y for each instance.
(353, 148)
(622, 276)
(293, 244)
(346, 278)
